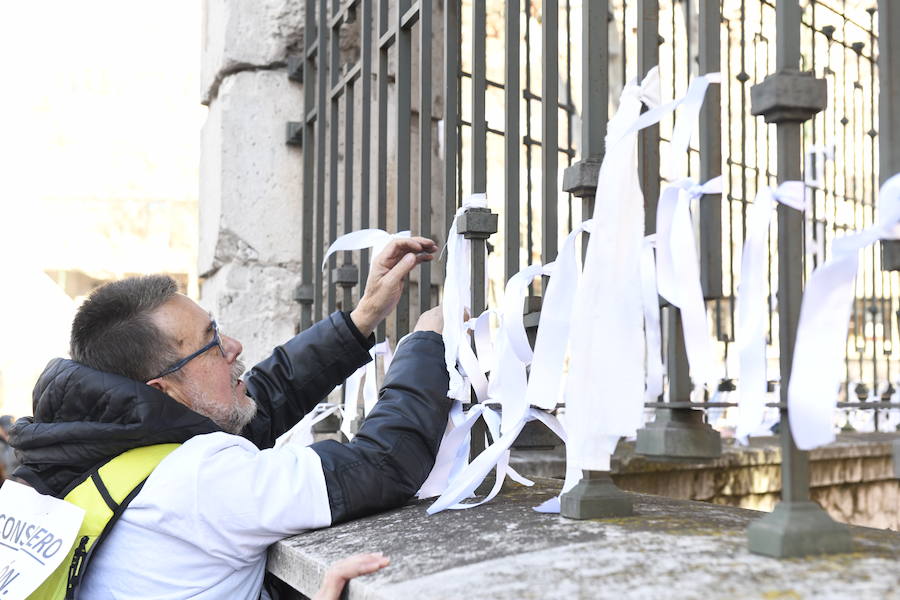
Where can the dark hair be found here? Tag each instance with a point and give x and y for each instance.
(113, 330)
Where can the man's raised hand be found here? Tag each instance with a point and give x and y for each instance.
(385, 282)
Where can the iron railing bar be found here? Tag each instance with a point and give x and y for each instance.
(488, 82)
(549, 129)
(365, 132)
(451, 108)
(403, 87)
(304, 295)
(352, 74)
(386, 40)
(425, 147)
(336, 20)
(710, 208)
(479, 124)
(313, 50)
(382, 157)
(349, 177)
(511, 148)
(320, 167)
(332, 164)
(411, 16)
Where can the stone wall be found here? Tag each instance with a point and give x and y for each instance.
(251, 180)
(249, 253)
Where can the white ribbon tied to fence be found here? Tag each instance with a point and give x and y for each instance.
(752, 307)
(822, 331)
(608, 345)
(678, 272)
(374, 240)
(456, 302)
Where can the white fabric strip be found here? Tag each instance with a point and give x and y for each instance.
(548, 363)
(652, 329)
(302, 432)
(607, 345)
(376, 239)
(457, 297)
(678, 270)
(822, 332)
(751, 310)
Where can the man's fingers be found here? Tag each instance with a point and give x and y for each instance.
(395, 250)
(400, 270)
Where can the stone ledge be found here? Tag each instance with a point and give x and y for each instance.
(853, 478)
(671, 548)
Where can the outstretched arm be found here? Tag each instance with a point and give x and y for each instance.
(300, 374)
(394, 451)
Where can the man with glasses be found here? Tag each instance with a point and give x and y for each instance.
(149, 366)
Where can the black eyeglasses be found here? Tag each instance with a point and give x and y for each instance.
(215, 342)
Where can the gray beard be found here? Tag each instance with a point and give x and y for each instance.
(231, 418)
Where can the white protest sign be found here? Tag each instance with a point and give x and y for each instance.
(36, 534)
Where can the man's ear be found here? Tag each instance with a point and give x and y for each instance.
(163, 385)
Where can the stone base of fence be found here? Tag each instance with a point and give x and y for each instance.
(670, 548)
(854, 478)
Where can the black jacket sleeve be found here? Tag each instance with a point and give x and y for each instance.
(388, 460)
(301, 373)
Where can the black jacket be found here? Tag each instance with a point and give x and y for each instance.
(83, 418)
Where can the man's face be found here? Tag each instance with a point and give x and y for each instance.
(210, 383)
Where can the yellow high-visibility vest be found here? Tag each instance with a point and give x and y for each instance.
(104, 494)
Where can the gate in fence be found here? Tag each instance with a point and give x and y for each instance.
(409, 106)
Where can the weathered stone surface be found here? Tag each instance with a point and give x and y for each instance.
(253, 303)
(852, 478)
(250, 205)
(670, 548)
(240, 35)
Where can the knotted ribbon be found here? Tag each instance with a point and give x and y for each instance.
(751, 310)
(822, 331)
(608, 345)
(678, 272)
(375, 240)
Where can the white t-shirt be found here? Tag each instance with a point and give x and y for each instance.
(202, 523)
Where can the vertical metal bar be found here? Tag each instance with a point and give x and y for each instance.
(310, 119)
(889, 109)
(349, 177)
(595, 90)
(648, 140)
(425, 147)
(549, 129)
(479, 85)
(529, 187)
(404, 110)
(333, 121)
(594, 78)
(382, 160)
(710, 151)
(512, 140)
(451, 108)
(581, 178)
(795, 463)
(321, 83)
(365, 158)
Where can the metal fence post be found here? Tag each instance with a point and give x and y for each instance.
(889, 110)
(677, 431)
(797, 526)
(595, 496)
(477, 224)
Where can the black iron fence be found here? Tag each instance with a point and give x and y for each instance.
(409, 106)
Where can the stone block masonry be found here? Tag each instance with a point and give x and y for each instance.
(505, 550)
(249, 257)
